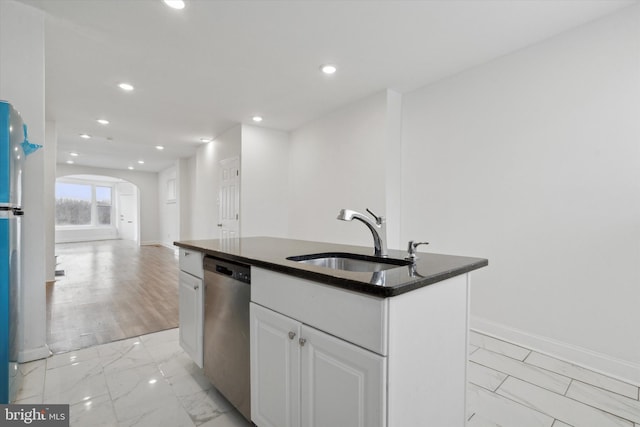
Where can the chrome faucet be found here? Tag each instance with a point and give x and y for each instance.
(378, 228)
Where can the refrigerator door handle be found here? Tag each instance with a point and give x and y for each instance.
(18, 211)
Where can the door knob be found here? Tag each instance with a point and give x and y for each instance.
(302, 341)
(219, 225)
(292, 335)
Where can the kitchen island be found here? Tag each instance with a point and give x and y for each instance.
(332, 347)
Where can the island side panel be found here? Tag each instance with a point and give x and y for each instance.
(428, 336)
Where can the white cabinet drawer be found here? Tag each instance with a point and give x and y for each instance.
(191, 262)
(354, 317)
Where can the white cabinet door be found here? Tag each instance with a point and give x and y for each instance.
(342, 385)
(191, 315)
(275, 369)
(301, 376)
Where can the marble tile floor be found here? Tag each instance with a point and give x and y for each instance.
(150, 381)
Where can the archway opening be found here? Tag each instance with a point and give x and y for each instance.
(96, 207)
(111, 286)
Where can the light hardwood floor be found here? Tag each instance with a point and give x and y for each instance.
(112, 289)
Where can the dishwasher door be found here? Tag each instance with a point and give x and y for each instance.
(226, 330)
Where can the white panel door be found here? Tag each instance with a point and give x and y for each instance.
(229, 198)
(190, 294)
(342, 385)
(275, 369)
(127, 220)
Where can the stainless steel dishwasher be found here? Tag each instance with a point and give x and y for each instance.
(226, 330)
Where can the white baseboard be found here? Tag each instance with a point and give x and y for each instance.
(150, 242)
(32, 354)
(170, 246)
(622, 370)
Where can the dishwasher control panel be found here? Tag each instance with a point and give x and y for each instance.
(233, 270)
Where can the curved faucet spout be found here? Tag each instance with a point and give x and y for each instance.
(378, 228)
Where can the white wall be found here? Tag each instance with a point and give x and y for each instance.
(147, 183)
(184, 198)
(168, 209)
(264, 209)
(532, 161)
(203, 173)
(341, 161)
(71, 235)
(22, 84)
(50, 148)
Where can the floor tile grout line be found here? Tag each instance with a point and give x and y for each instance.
(609, 391)
(531, 351)
(518, 403)
(575, 400)
(587, 382)
(532, 366)
(502, 382)
(561, 373)
(504, 341)
(568, 387)
(605, 389)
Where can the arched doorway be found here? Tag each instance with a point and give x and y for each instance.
(96, 207)
(109, 284)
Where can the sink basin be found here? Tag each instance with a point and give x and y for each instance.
(350, 262)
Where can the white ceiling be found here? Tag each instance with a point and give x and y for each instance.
(199, 71)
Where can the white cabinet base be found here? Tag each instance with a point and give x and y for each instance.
(304, 377)
(191, 304)
(415, 376)
(190, 316)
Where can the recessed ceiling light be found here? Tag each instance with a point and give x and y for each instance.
(103, 121)
(175, 4)
(130, 168)
(256, 119)
(329, 69)
(85, 136)
(126, 87)
(159, 147)
(141, 162)
(70, 162)
(206, 139)
(73, 154)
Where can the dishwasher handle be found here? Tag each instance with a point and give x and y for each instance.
(223, 270)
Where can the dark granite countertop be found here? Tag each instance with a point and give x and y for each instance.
(271, 253)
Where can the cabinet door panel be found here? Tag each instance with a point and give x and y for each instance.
(342, 385)
(275, 369)
(191, 315)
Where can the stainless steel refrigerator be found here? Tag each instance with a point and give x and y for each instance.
(12, 156)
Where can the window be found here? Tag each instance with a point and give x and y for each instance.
(73, 204)
(83, 204)
(103, 205)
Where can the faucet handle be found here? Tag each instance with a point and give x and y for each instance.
(379, 219)
(412, 249)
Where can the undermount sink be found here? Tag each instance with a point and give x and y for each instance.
(350, 262)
